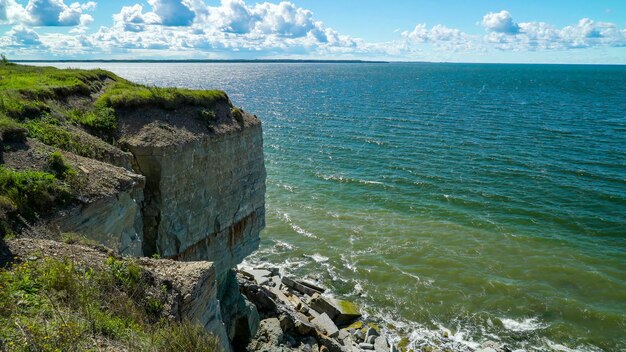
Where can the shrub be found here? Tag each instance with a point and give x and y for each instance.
(60, 168)
(12, 131)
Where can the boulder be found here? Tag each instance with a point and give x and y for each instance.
(341, 312)
(260, 276)
(302, 324)
(298, 286)
(324, 323)
(381, 345)
(366, 346)
(329, 343)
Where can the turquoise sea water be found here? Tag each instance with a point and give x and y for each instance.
(488, 200)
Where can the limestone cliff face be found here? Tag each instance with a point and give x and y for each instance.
(116, 221)
(198, 195)
(205, 191)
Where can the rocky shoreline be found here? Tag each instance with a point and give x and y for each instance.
(298, 315)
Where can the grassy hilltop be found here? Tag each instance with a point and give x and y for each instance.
(70, 111)
(51, 121)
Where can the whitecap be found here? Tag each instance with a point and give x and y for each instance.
(529, 324)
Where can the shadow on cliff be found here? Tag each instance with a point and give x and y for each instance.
(6, 256)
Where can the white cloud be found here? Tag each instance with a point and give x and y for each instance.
(543, 36)
(173, 12)
(23, 36)
(500, 22)
(57, 13)
(11, 12)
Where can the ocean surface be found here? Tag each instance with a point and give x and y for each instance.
(462, 200)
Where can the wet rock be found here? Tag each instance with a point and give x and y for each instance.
(381, 345)
(498, 347)
(324, 323)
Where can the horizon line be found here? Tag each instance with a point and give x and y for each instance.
(314, 61)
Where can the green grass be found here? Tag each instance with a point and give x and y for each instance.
(25, 89)
(11, 130)
(30, 194)
(59, 305)
(56, 133)
(61, 169)
(124, 94)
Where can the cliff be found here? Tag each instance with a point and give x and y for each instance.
(148, 172)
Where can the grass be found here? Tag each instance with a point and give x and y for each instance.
(29, 195)
(59, 305)
(124, 94)
(11, 130)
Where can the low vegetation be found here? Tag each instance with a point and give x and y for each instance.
(27, 195)
(124, 94)
(60, 305)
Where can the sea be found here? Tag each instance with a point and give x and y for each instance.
(455, 203)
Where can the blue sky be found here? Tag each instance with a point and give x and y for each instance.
(553, 31)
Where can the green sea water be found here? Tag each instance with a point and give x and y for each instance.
(469, 201)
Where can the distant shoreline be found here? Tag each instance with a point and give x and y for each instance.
(294, 61)
(278, 61)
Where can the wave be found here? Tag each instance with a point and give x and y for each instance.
(529, 324)
(343, 179)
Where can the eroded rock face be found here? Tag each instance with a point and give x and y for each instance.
(115, 222)
(205, 196)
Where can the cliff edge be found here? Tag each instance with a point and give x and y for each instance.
(145, 171)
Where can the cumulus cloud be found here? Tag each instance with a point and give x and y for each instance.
(172, 12)
(500, 22)
(23, 36)
(57, 13)
(505, 34)
(11, 12)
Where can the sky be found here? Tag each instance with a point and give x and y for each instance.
(524, 31)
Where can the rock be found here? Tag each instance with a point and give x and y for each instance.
(302, 324)
(311, 286)
(339, 311)
(371, 332)
(381, 345)
(498, 347)
(366, 346)
(343, 334)
(370, 339)
(324, 349)
(297, 286)
(324, 323)
(487, 349)
(273, 270)
(286, 323)
(270, 337)
(329, 343)
(260, 296)
(394, 348)
(261, 277)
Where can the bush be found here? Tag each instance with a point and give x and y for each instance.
(60, 168)
(12, 131)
